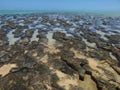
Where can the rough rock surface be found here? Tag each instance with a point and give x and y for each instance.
(58, 53)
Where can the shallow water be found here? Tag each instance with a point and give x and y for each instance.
(34, 36)
(73, 12)
(11, 38)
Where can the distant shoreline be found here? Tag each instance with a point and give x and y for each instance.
(104, 13)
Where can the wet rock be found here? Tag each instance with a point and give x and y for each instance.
(112, 49)
(42, 31)
(83, 62)
(18, 87)
(42, 69)
(16, 50)
(81, 74)
(17, 33)
(33, 45)
(54, 79)
(117, 45)
(25, 67)
(78, 44)
(63, 22)
(6, 27)
(5, 59)
(114, 39)
(23, 41)
(75, 19)
(40, 36)
(22, 27)
(29, 65)
(39, 87)
(1, 42)
(116, 53)
(103, 84)
(13, 70)
(100, 55)
(59, 36)
(75, 88)
(116, 69)
(2, 53)
(2, 33)
(11, 24)
(78, 65)
(40, 50)
(52, 22)
(29, 33)
(72, 63)
(45, 19)
(65, 68)
(105, 46)
(108, 74)
(67, 54)
(87, 69)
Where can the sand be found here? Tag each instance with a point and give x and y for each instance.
(51, 44)
(4, 70)
(44, 59)
(66, 80)
(88, 83)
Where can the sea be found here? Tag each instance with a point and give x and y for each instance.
(104, 13)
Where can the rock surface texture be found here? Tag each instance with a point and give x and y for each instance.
(59, 52)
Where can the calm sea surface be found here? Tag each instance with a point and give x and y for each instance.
(43, 11)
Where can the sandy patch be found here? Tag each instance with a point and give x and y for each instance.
(49, 37)
(112, 56)
(66, 80)
(35, 54)
(88, 83)
(48, 87)
(4, 70)
(51, 44)
(108, 74)
(44, 59)
(92, 62)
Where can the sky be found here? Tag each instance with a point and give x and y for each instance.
(100, 5)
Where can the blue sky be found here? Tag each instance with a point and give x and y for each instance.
(101, 5)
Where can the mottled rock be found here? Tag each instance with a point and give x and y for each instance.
(29, 33)
(59, 36)
(2, 53)
(2, 33)
(114, 39)
(1, 42)
(5, 59)
(75, 88)
(81, 74)
(100, 55)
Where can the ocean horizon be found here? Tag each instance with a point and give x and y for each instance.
(104, 13)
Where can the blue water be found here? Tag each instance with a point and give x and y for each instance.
(43, 11)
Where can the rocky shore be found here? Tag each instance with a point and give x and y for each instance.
(59, 52)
